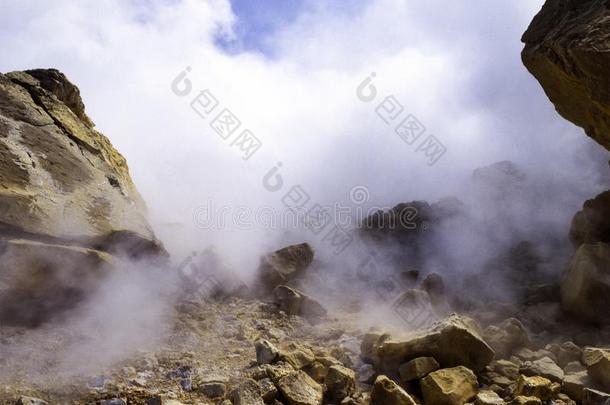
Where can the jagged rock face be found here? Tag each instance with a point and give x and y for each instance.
(592, 223)
(68, 206)
(39, 280)
(567, 48)
(586, 285)
(59, 176)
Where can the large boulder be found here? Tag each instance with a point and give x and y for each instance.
(450, 386)
(592, 223)
(38, 280)
(598, 365)
(295, 302)
(68, 206)
(567, 50)
(60, 178)
(300, 389)
(585, 287)
(387, 392)
(452, 342)
(284, 266)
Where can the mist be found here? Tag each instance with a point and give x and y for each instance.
(143, 66)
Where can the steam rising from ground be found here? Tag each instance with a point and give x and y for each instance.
(456, 69)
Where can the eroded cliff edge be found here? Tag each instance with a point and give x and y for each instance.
(68, 207)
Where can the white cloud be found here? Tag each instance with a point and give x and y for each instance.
(455, 65)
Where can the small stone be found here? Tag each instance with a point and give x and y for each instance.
(158, 400)
(387, 392)
(488, 397)
(506, 337)
(340, 382)
(574, 384)
(278, 370)
(300, 389)
(366, 374)
(213, 389)
(267, 389)
(544, 367)
(369, 341)
(113, 401)
(266, 352)
(298, 356)
(536, 386)
(595, 397)
(417, 368)
(598, 365)
(568, 352)
(449, 386)
(317, 371)
(31, 401)
(247, 393)
(563, 399)
(506, 368)
(186, 384)
(574, 367)
(522, 400)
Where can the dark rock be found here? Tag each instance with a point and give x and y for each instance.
(566, 49)
(585, 287)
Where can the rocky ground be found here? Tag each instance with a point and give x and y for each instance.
(283, 347)
(71, 218)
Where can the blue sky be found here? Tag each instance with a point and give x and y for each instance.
(258, 21)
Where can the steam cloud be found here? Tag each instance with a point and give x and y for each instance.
(456, 69)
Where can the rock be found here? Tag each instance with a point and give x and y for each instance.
(506, 368)
(567, 353)
(267, 389)
(279, 370)
(48, 147)
(300, 389)
(91, 193)
(522, 400)
(295, 302)
(595, 397)
(387, 392)
(317, 371)
(298, 356)
(566, 49)
(449, 386)
(417, 368)
(506, 337)
(246, 393)
(213, 389)
(369, 343)
(340, 382)
(488, 397)
(452, 342)
(158, 400)
(586, 285)
(563, 399)
(574, 367)
(544, 367)
(113, 401)
(266, 352)
(366, 374)
(598, 365)
(31, 401)
(574, 384)
(591, 224)
(492, 378)
(536, 386)
(39, 280)
(284, 266)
